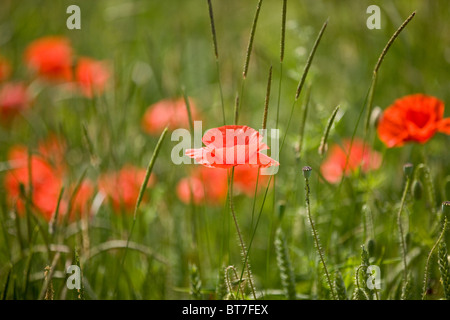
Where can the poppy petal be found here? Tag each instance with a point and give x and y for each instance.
(444, 126)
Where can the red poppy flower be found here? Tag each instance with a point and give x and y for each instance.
(123, 187)
(92, 76)
(333, 167)
(45, 182)
(412, 118)
(168, 112)
(229, 146)
(51, 58)
(5, 68)
(14, 98)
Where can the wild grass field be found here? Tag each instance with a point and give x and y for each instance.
(94, 206)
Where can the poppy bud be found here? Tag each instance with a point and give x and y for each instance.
(408, 169)
(306, 171)
(417, 189)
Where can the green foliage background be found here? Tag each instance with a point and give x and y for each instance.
(159, 47)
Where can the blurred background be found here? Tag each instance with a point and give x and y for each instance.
(157, 49)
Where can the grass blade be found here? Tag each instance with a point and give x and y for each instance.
(427, 266)
(252, 37)
(377, 67)
(303, 122)
(323, 141)
(140, 197)
(309, 61)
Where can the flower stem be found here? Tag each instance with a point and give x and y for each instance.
(238, 231)
(425, 282)
(400, 229)
(316, 237)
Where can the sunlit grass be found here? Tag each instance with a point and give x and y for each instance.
(163, 248)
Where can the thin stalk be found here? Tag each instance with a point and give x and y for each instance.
(28, 263)
(140, 197)
(249, 51)
(302, 80)
(368, 101)
(88, 139)
(279, 95)
(309, 61)
(282, 44)
(52, 226)
(377, 67)
(252, 37)
(303, 122)
(400, 229)
(264, 126)
(213, 29)
(425, 281)
(323, 141)
(266, 101)
(236, 110)
(254, 196)
(256, 226)
(216, 55)
(29, 196)
(241, 241)
(314, 232)
(48, 279)
(188, 109)
(5, 288)
(71, 201)
(221, 92)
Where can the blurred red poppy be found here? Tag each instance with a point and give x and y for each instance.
(92, 76)
(412, 118)
(211, 185)
(53, 149)
(168, 112)
(45, 182)
(245, 178)
(194, 186)
(333, 167)
(229, 146)
(123, 187)
(51, 58)
(81, 203)
(205, 184)
(14, 98)
(5, 68)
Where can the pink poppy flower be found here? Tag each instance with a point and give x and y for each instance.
(333, 167)
(168, 112)
(91, 76)
(229, 146)
(14, 98)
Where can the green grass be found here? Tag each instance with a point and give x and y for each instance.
(163, 49)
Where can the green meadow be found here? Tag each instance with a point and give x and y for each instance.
(366, 224)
